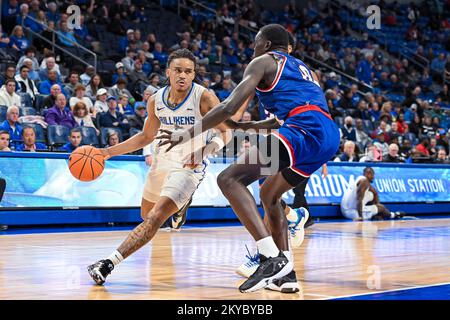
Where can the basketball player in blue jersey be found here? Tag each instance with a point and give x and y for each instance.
(307, 139)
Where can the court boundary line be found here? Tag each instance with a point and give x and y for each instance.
(391, 290)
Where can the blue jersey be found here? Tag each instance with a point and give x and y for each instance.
(293, 86)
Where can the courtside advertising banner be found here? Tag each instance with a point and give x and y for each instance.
(46, 182)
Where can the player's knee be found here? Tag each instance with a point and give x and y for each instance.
(224, 181)
(268, 197)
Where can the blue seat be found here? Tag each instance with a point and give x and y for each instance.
(25, 100)
(134, 131)
(89, 136)
(40, 135)
(104, 132)
(57, 135)
(39, 103)
(28, 111)
(3, 110)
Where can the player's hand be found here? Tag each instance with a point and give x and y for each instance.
(172, 138)
(105, 153)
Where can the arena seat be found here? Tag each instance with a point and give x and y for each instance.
(28, 111)
(57, 135)
(3, 110)
(89, 135)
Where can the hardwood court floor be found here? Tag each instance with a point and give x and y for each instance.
(336, 259)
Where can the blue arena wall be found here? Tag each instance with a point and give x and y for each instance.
(41, 190)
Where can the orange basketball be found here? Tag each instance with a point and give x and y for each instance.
(86, 163)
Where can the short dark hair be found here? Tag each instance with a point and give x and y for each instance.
(276, 34)
(75, 130)
(4, 132)
(10, 80)
(22, 67)
(181, 53)
(366, 169)
(28, 127)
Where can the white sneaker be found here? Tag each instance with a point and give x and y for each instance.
(248, 268)
(297, 228)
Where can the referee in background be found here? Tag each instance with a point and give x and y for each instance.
(2, 190)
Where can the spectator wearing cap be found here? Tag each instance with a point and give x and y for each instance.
(29, 140)
(119, 74)
(75, 140)
(87, 75)
(12, 125)
(101, 104)
(119, 89)
(393, 155)
(59, 114)
(348, 131)
(154, 83)
(94, 85)
(45, 86)
(124, 42)
(114, 119)
(82, 116)
(138, 119)
(348, 153)
(8, 95)
(379, 141)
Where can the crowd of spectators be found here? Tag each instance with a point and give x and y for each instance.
(395, 111)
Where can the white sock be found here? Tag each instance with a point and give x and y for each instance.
(115, 258)
(267, 247)
(292, 216)
(392, 215)
(288, 255)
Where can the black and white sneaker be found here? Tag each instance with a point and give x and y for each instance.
(179, 218)
(287, 284)
(100, 270)
(269, 270)
(399, 214)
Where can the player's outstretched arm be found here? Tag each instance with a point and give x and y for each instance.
(263, 125)
(141, 139)
(253, 75)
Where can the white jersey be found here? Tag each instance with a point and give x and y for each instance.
(349, 200)
(184, 116)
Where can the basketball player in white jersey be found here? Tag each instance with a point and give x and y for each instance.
(175, 175)
(361, 202)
